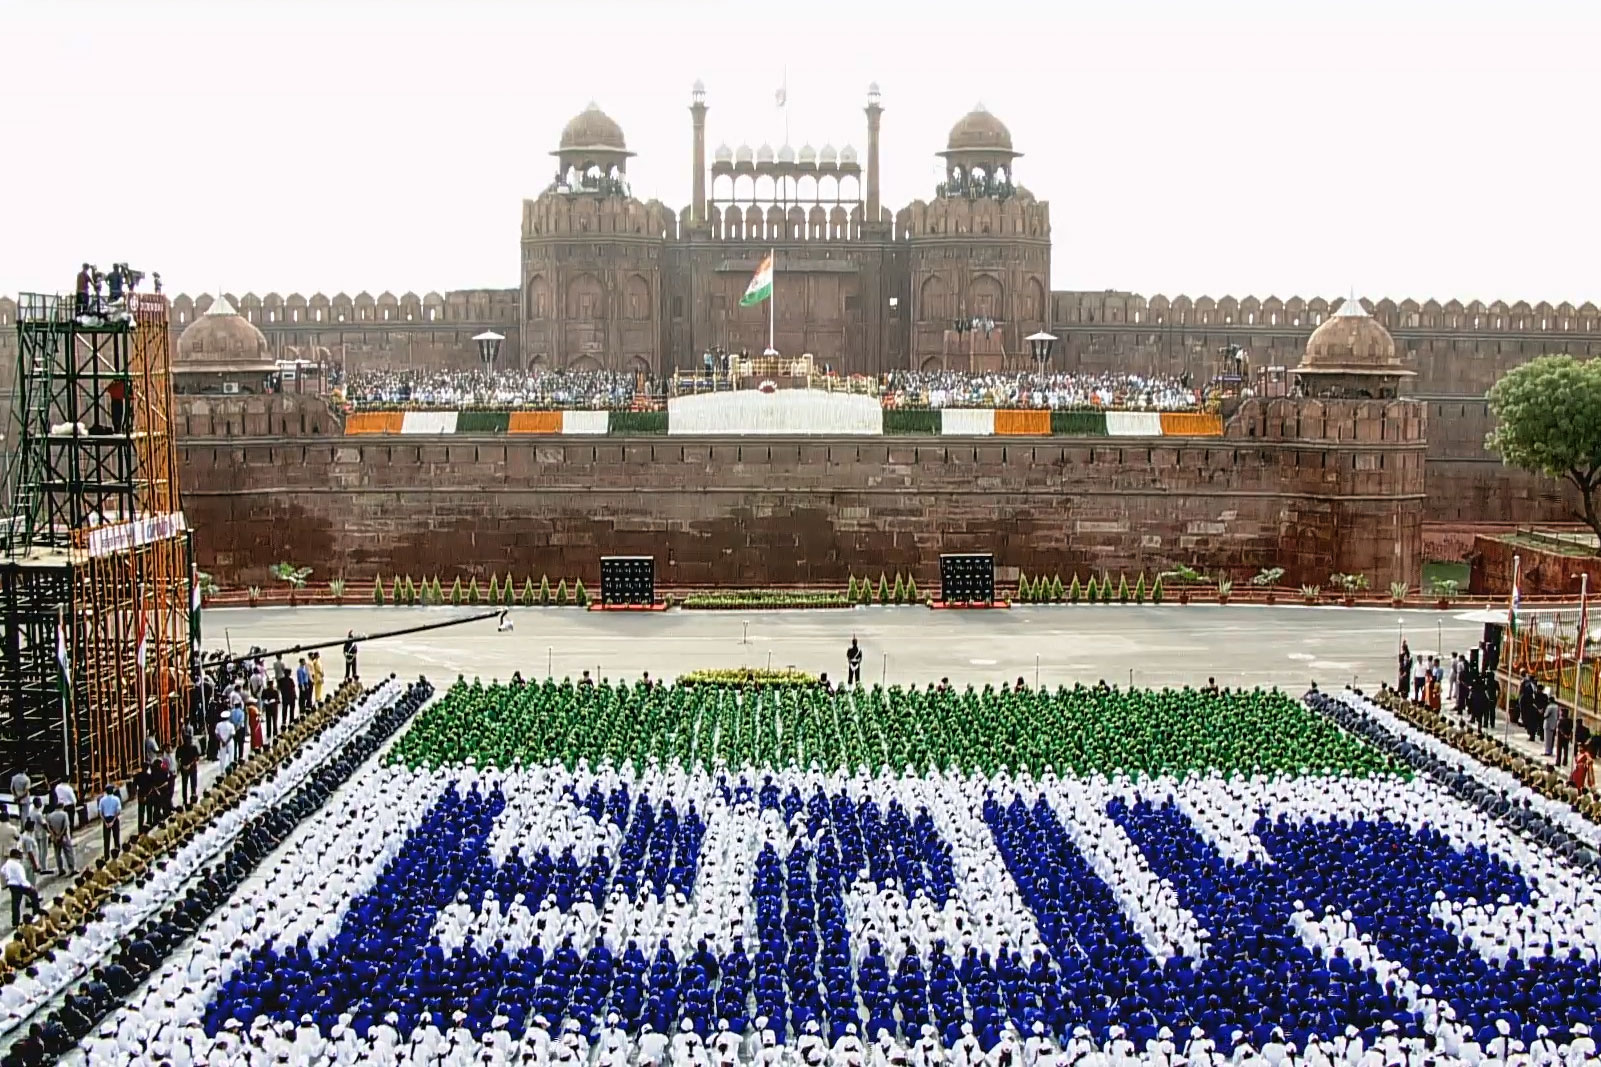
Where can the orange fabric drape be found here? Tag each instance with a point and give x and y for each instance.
(534, 422)
(374, 422)
(1018, 423)
(1191, 424)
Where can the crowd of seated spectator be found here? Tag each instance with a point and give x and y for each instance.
(452, 389)
(601, 389)
(955, 389)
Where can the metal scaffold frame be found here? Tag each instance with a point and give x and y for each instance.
(96, 569)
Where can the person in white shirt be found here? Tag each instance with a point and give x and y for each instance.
(225, 751)
(64, 795)
(16, 876)
(110, 807)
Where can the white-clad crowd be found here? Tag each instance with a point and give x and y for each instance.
(953, 389)
(337, 854)
(451, 389)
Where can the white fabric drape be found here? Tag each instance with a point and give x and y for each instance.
(787, 411)
(967, 422)
(584, 421)
(1133, 424)
(429, 422)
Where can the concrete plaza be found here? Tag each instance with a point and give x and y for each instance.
(1239, 645)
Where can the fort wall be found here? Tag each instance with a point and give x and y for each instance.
(1346, 495)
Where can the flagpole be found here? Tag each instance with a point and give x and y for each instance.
(66, 695)
(1512, 636)
(772, 305)
(1578, 653)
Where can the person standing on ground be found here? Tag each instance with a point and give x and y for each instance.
(19, 788)
(1549, 712)
(8, 832)
(269, 709)
(16, 877)
(303, 686)
(853, 664)
(316, 678)
(258, 739)
(285, 679)
(110, 807)
(1564, 736)
(239, 719)
(225, 746)
(189, 768)
(144, 782)
(350, 655)
(68, 799)
(1403, 677)
(59, 826)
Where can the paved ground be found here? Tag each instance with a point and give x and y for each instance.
(1169, 645)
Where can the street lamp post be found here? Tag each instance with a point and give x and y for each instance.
(488, 347)
(1041, 342)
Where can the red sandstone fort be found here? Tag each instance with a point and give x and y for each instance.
(607, 280)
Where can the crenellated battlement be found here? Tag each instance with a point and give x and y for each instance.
(1475, 316)
(1017, 217)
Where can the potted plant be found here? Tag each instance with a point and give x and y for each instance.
(336, 589)
(1445, 589)
(1350, 584)
(207, 586)
(254, 593)
(1268, 579)
(1185, 576)
(1224, 587)
(1311, 593)
(1398, 591)
(378, 591)
(292, 576)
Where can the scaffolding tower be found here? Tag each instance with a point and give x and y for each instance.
(96, 569)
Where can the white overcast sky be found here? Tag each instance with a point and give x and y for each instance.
(1406, 148)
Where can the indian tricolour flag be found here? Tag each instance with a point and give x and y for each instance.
(964, 867)
(63, 662)
(761, 283)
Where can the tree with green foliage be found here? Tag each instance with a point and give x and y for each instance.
(1156, 590)
(1106, 588)
(1075, 592)
(850, 590)
(378, 591)
(911, 591)
(1092, 590)
(580, 594)
(866, 591)
(410, 592)
(898, 593)
(883, 588)
(494, 588)
(562, 596)
(475, 595)
(544, 590)
(1122, 589)
(1548, 420)
(455, 592)
(1057, 592)
(1139, 588)
(397, 592)
(529, 596)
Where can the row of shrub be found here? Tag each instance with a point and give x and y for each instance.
(1043, 590)
(502, 593)
(765, 598)
(902, 591)
(736, 676)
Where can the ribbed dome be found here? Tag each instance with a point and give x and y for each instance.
(828, 155)
(1350, 339)
(724, 154)
(764, 154)
(847, 154)
(978, 130)
(786, 154)
(222, 335)
(593, 130)
(808, 154)
(742, 154)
